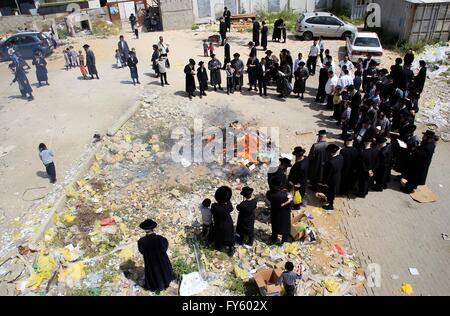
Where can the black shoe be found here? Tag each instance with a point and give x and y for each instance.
(249, 89)
(220, 88)
(328, 207)
(138, 82)
(230, 252)
(167, 83)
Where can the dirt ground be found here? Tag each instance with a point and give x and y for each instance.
(66, 114)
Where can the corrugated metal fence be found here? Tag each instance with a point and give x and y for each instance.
(430, 21)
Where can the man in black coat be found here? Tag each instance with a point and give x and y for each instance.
(332, 175)
(419, 162)
(396, 72)
(323, 79)
(256, 29)
(264, 33)
(262, 72)
(350, 168)
(227, 17)
(124, 50)
(383, 172)
(280, 210)
(409, 57)
(285, 163)
(407, 77)
(368, 165)
(364, 131)
(223, 30)
(317, 157)
(298, 175)
(419, 80)
(246, 218)
(158, 270)
(227, 53)
(355, 104)
(223, 223)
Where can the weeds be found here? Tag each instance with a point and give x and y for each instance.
(235, 285)
(181, 267)
(345, 15)
(289, 17)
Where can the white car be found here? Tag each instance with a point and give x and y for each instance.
(363, 45)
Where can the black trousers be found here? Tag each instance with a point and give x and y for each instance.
(311, 64)
(230, 84)
(331, 194)
(364, 182)
(242, 238)
(320, 97)
(321, 55)
(262, 84)
(329, 101)
(163, 77)
(51, 171)
(290, 289)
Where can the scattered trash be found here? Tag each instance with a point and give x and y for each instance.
(340, 250)
(413, 271)
(192, 284)
(406, 288)
(107, 221)
(445, 236)
(331, 285)
(266, 281)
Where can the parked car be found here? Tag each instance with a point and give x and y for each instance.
(363, 45)
(26, 44)
(315, 24)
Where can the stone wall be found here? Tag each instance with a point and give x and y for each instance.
(177, 14)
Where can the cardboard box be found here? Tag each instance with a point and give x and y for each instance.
(266, 280)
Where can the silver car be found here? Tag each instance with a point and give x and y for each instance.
(315, 24)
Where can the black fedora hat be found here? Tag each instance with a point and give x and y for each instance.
(298, 151)
(86, 46)
(223, 194)
(381, 140)
(285, 161)
(348, 138)
(276, 182)
(236, 55)
(367, 139)
(322, 132)
(246, 191)
(148, 224)
(332, 148)
(213, 55)
(429, 133)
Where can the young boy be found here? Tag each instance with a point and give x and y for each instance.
(246, 218)
(205, 209)
(46, 156)
(67, 61)
(205, 48)
(73, 56)
(211, 49)
(82, 65)
(230, 78)
(118, 57)
(289, 278)
(162, 64)
(136, 32)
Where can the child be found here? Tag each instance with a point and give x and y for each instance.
(162, 64)
(205, 210)
(73, 57)
(205, 48)
(132, 62)
(67, 59)
(136, 32)
(289, 278)
(246, 217)
(230, 78)
(211, 49)
(118, 57)
(337, 100)
(46, 156)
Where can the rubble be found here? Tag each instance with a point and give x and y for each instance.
(91, 247)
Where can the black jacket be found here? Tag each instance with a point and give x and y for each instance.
(246, 218)
(332, 173)
(299, 172)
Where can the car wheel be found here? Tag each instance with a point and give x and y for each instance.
(346, 35)
(307, 36)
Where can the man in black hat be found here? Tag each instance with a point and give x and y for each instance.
(238, 65)
(368, 165)
(90, 61)
(214, 66)
(255, 30)
(323, 79)
(280, 209)
(350, 168)
(365, 130)
(158, 270)
(383, 172)
(223, 223)
(246, 218)
(227, 17)
(419, 162)
(317, 157)
(253, 51)
(202, 77)
(355, 104)
(285, 163)
(222, 30)
(264, 32)
(332, 175)
(298, 175)
(227, 54)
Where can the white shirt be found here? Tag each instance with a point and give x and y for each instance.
(349, 65)
(331, 84)
(206, 214)
(314, 51)
(322, 45)
(345, 81)
(297, 63)
(163, 47)
(332, 68)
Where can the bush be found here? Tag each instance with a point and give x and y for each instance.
(194, 27)
(180, 267)
(289, 17)
(105, 28)
(345, 15)
(235, 285)
(62, 34)
(392, 42)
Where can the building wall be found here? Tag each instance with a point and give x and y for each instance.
(396, 17)
(11, 23)
(248, 6)
(177, 14)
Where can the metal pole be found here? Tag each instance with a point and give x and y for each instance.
(18, 7)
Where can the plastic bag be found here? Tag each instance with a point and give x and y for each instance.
(297, 198)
